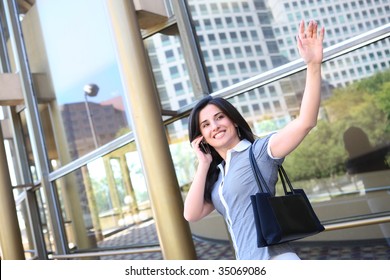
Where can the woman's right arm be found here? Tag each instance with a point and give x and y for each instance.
(195, 207)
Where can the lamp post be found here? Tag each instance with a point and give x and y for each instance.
(91, 90)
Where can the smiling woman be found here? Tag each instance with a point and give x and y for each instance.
(218, 130)
(224, 179)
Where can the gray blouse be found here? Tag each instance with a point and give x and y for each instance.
(231, 197)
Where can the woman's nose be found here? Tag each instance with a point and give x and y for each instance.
(214, 125)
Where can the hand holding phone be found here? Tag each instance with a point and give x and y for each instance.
(204, 147)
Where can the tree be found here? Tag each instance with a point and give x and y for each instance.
(365, 104)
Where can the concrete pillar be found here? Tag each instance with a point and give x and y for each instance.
(167, 204)
(93, 209)
(133, 208)
(114, 195)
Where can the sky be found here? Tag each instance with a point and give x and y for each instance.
(79, 46)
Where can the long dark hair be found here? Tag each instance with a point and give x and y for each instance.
(194, 131)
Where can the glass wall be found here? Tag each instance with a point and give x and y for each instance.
(107, 195)
(343, 164)
(76, 77)
(169, 69)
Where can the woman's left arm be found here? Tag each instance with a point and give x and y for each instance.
(311, 50)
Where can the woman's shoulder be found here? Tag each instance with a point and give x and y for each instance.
(263, 140)
(261, 147)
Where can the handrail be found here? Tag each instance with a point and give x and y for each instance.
(328, 227)
(357, 223)
(108, 253)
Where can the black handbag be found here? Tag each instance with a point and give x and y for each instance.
(280, 219)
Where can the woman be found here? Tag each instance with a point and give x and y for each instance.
(221, 139)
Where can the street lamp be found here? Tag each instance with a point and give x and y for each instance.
(91, 90)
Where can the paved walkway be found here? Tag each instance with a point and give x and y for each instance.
(146, 234)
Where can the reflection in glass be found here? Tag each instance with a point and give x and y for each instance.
(105, 196)
(169, 69)
(322, 164)
(25, 230)
(46, 226)
(73, 54)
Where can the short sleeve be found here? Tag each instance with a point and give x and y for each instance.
(263, 151)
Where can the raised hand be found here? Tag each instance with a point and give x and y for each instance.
(309, 42)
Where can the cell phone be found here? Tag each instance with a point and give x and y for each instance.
(204, 148)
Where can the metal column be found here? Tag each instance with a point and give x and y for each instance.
(173, 231)
(10, 237)
(191, 49)
(34, 126)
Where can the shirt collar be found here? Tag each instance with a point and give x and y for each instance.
(241, 146)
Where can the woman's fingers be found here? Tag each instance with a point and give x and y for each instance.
(311, 31)
(315, 29)
(322, 33)
(196, 142)
(302, 30)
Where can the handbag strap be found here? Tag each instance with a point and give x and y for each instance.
(256, 171)
(260, 179)
(283, 176)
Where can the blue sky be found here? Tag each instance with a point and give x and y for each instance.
(79, 47)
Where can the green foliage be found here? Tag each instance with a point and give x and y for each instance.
(365, 104)
(383, 102)
(320, 155)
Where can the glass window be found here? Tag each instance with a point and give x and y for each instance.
(272, 47)
(225, 7)
(242, 67)
(203, 8)
(166, 84)
(238, 51)
(249, 20)
(222, 37)
(86, 87)
(214, 8)
(229, 21)
(178, 88)
(232, 68)
(211, 38)
(240, 21)
(244, 36)
(218, 22)
(216, 54)
(245, 6)
(221, 69)
(253, 66)
(268, 32)
(107, 195)
(248, 50)
(227, 52)
(336, 192)
(254, 35)
(174, 71)
(235, 7)
(207, 24)
(233, 36)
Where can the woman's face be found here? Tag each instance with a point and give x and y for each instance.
(217, 129)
